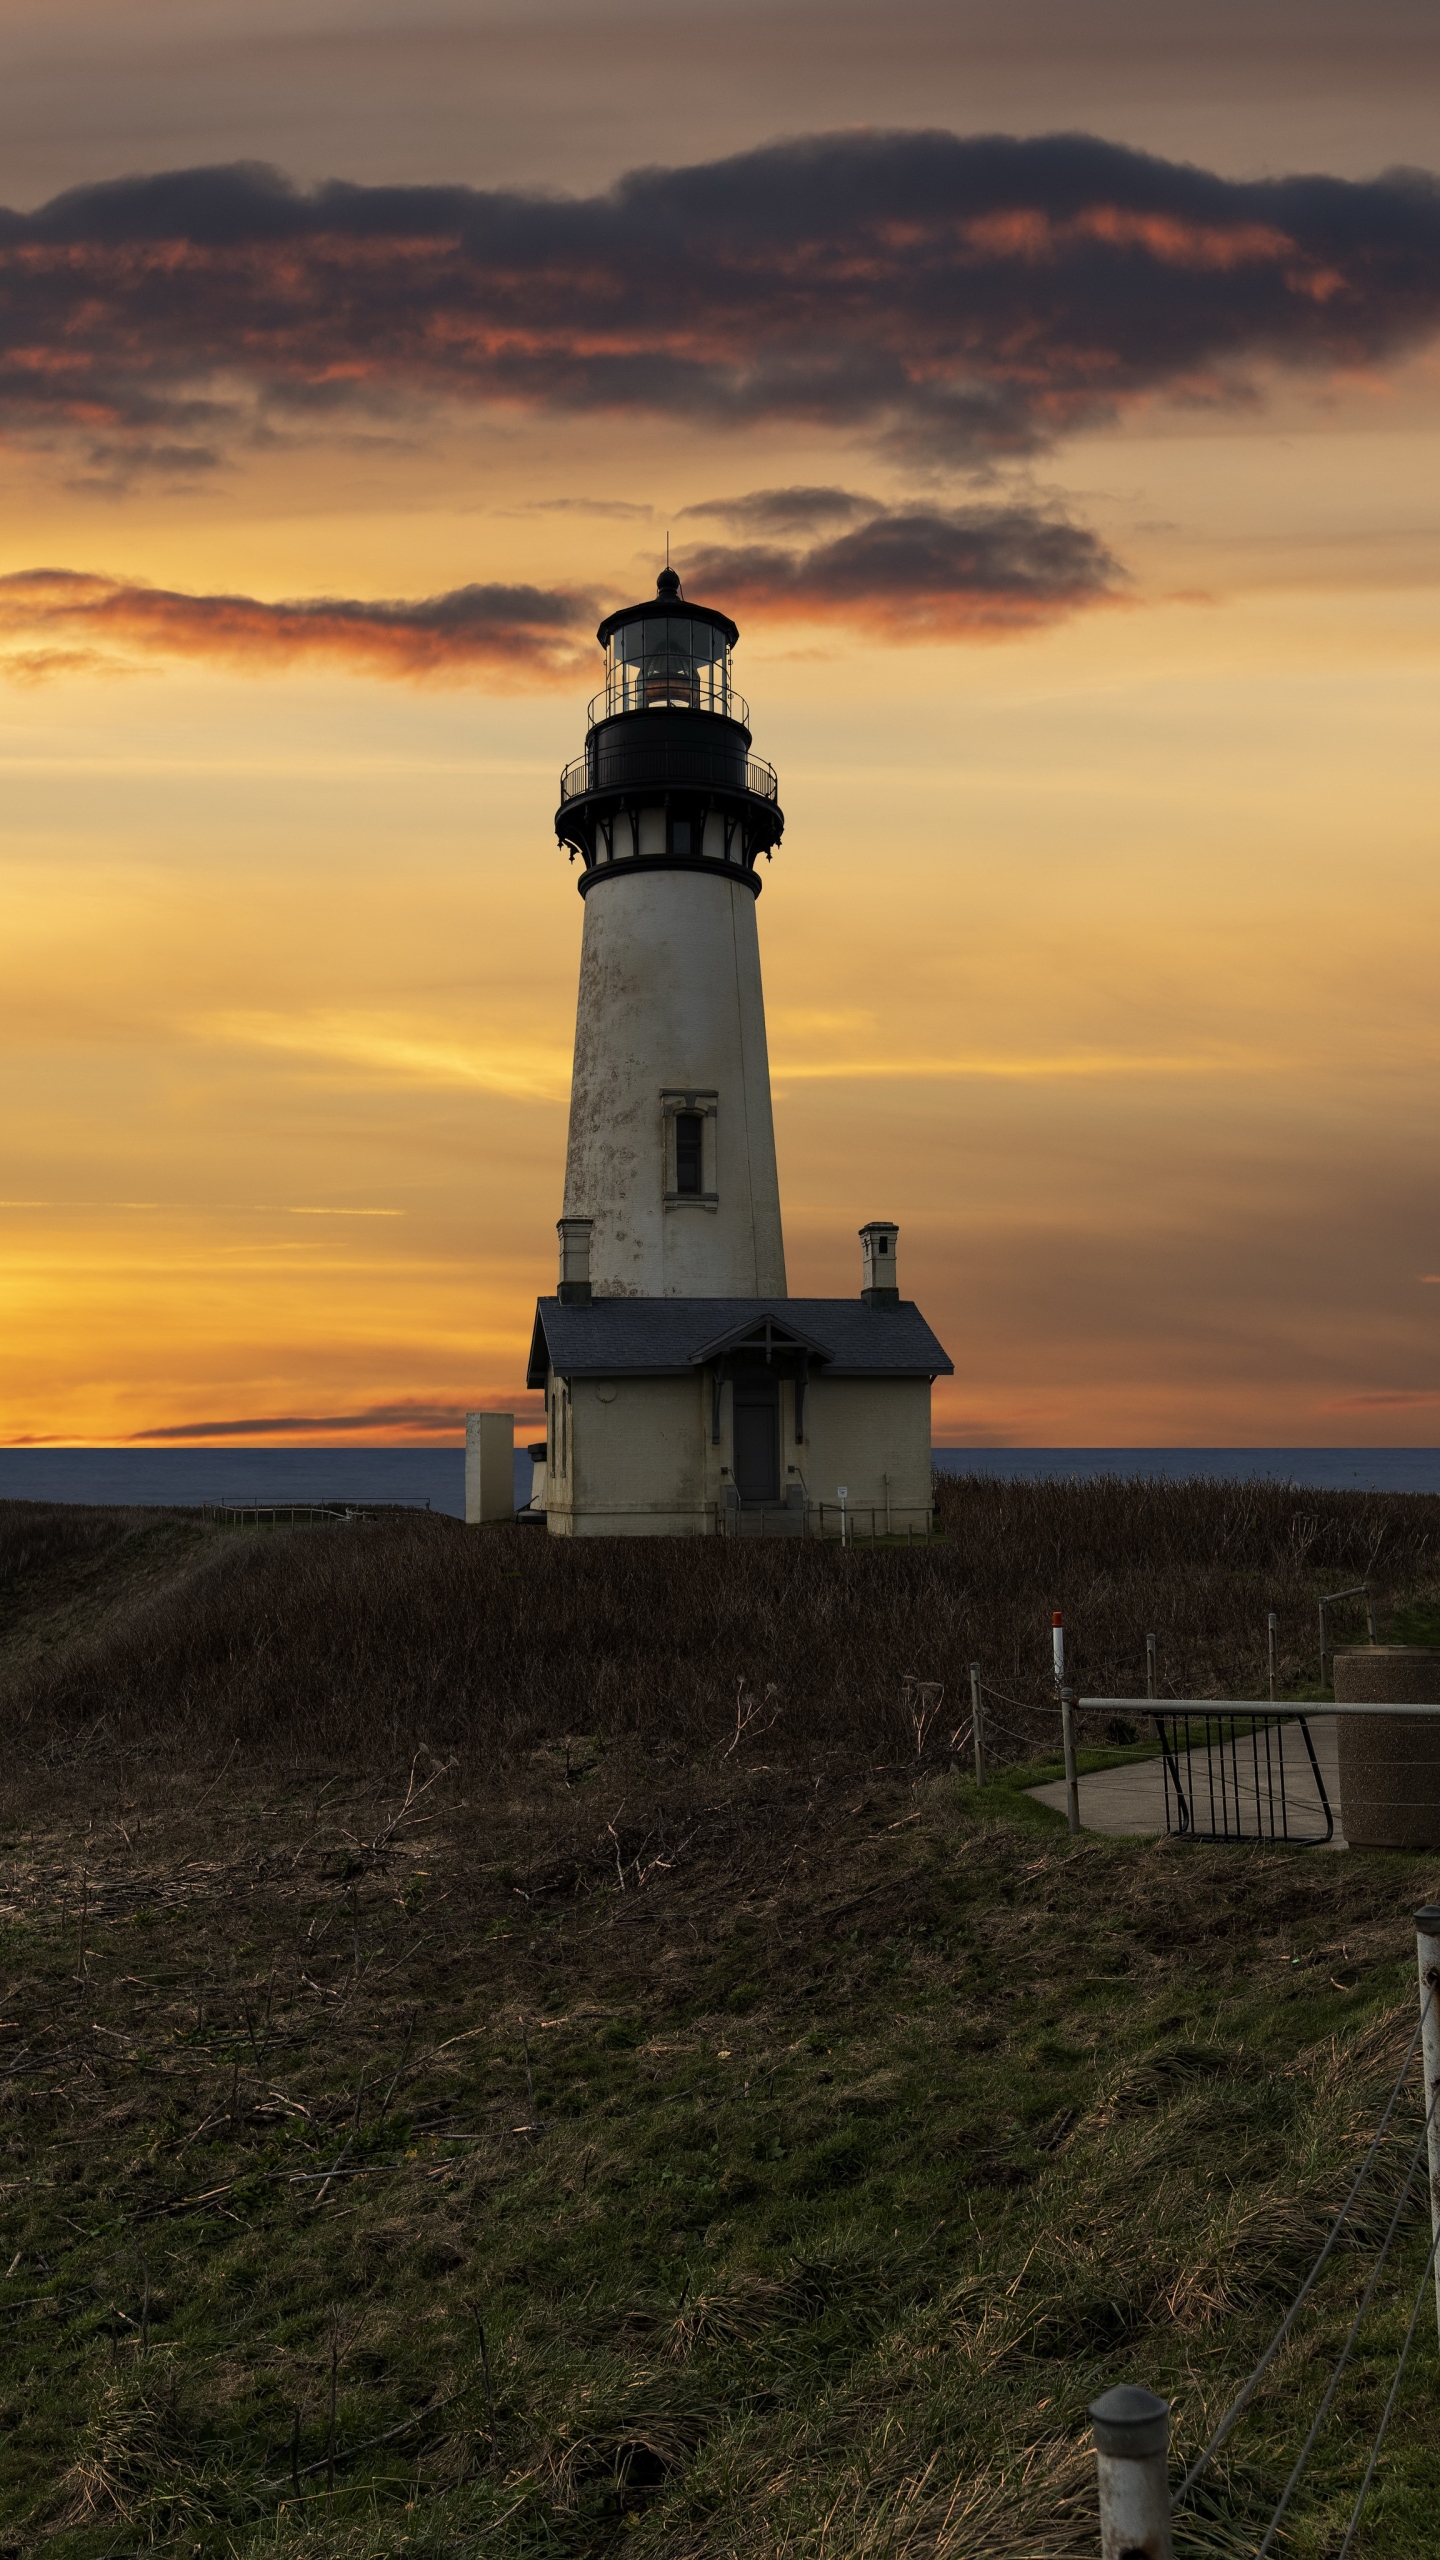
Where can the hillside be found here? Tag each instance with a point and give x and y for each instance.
(457, 2093)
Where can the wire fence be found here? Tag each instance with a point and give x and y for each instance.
(1131, 2425)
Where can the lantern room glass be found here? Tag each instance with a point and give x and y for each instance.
(668, 662)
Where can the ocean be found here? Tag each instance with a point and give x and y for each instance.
(435, 1478)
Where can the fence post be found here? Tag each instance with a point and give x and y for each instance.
(1072, 1774)
(977, 1723)
(1427, 1930)
(1152, 1685)
(1132, 2435)
(1272, 1633)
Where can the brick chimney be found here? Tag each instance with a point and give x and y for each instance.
(574, 1234)
(879, 1283)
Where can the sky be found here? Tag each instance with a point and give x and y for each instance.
(1050, 391)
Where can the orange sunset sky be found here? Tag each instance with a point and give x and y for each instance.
(1051, 392)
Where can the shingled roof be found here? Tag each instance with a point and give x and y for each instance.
(669, 1337)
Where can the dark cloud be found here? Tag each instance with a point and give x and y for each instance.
(903, 575)
(798, 510)
(514, 634)
(375, 1417)
(921, 575)
(968, 297)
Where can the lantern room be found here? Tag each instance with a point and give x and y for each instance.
(667, 656)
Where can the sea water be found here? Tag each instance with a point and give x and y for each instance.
(434, 1479)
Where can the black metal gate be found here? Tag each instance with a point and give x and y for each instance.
(1229, 1777)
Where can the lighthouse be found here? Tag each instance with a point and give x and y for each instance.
(669, 813)
(686, 1393)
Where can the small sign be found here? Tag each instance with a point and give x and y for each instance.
(842, 1493)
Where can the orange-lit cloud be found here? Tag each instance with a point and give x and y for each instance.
(903, 575)
(958, 296)
(410, 1414)
(511, 634)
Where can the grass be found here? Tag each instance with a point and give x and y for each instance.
(615, 2133)
(355, 1645)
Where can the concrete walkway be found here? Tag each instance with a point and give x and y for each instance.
(1130, 1802)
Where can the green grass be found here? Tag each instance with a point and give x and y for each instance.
(1417, 1622)
(875, 2128)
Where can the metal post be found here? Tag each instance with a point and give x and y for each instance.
(1427, 1930)
(1353, 1591)
(1132, 2436)
(1272, 1629)
(1072, 1774)
(1152, 1682)
(977, 1723)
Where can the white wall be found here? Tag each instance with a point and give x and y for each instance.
(858, 1431)
(670, 997)
(639, 1460)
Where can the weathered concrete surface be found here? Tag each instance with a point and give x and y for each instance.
(1130, 1802)
(1390, 1765)
(671, 1004)
(489, 1467)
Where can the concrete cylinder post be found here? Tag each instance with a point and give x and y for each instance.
(977, 1723)
(1072, 1774)
(1427, 1933)
(1132, 2437)
(1389, 1765)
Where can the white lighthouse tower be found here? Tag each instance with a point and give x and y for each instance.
(685, 1391)
(671, 1153)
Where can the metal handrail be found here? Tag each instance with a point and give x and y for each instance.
(667, 765)
(611, 703)
(1291, 1707)
(889, 1522)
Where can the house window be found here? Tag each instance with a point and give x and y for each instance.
(689, 1152)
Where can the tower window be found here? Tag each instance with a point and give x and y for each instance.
(689, 1150)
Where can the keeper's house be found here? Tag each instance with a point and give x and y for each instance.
(676, 1416)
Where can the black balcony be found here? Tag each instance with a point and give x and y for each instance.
(666, 769)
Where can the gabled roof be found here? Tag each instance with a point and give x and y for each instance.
(672, 1337)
